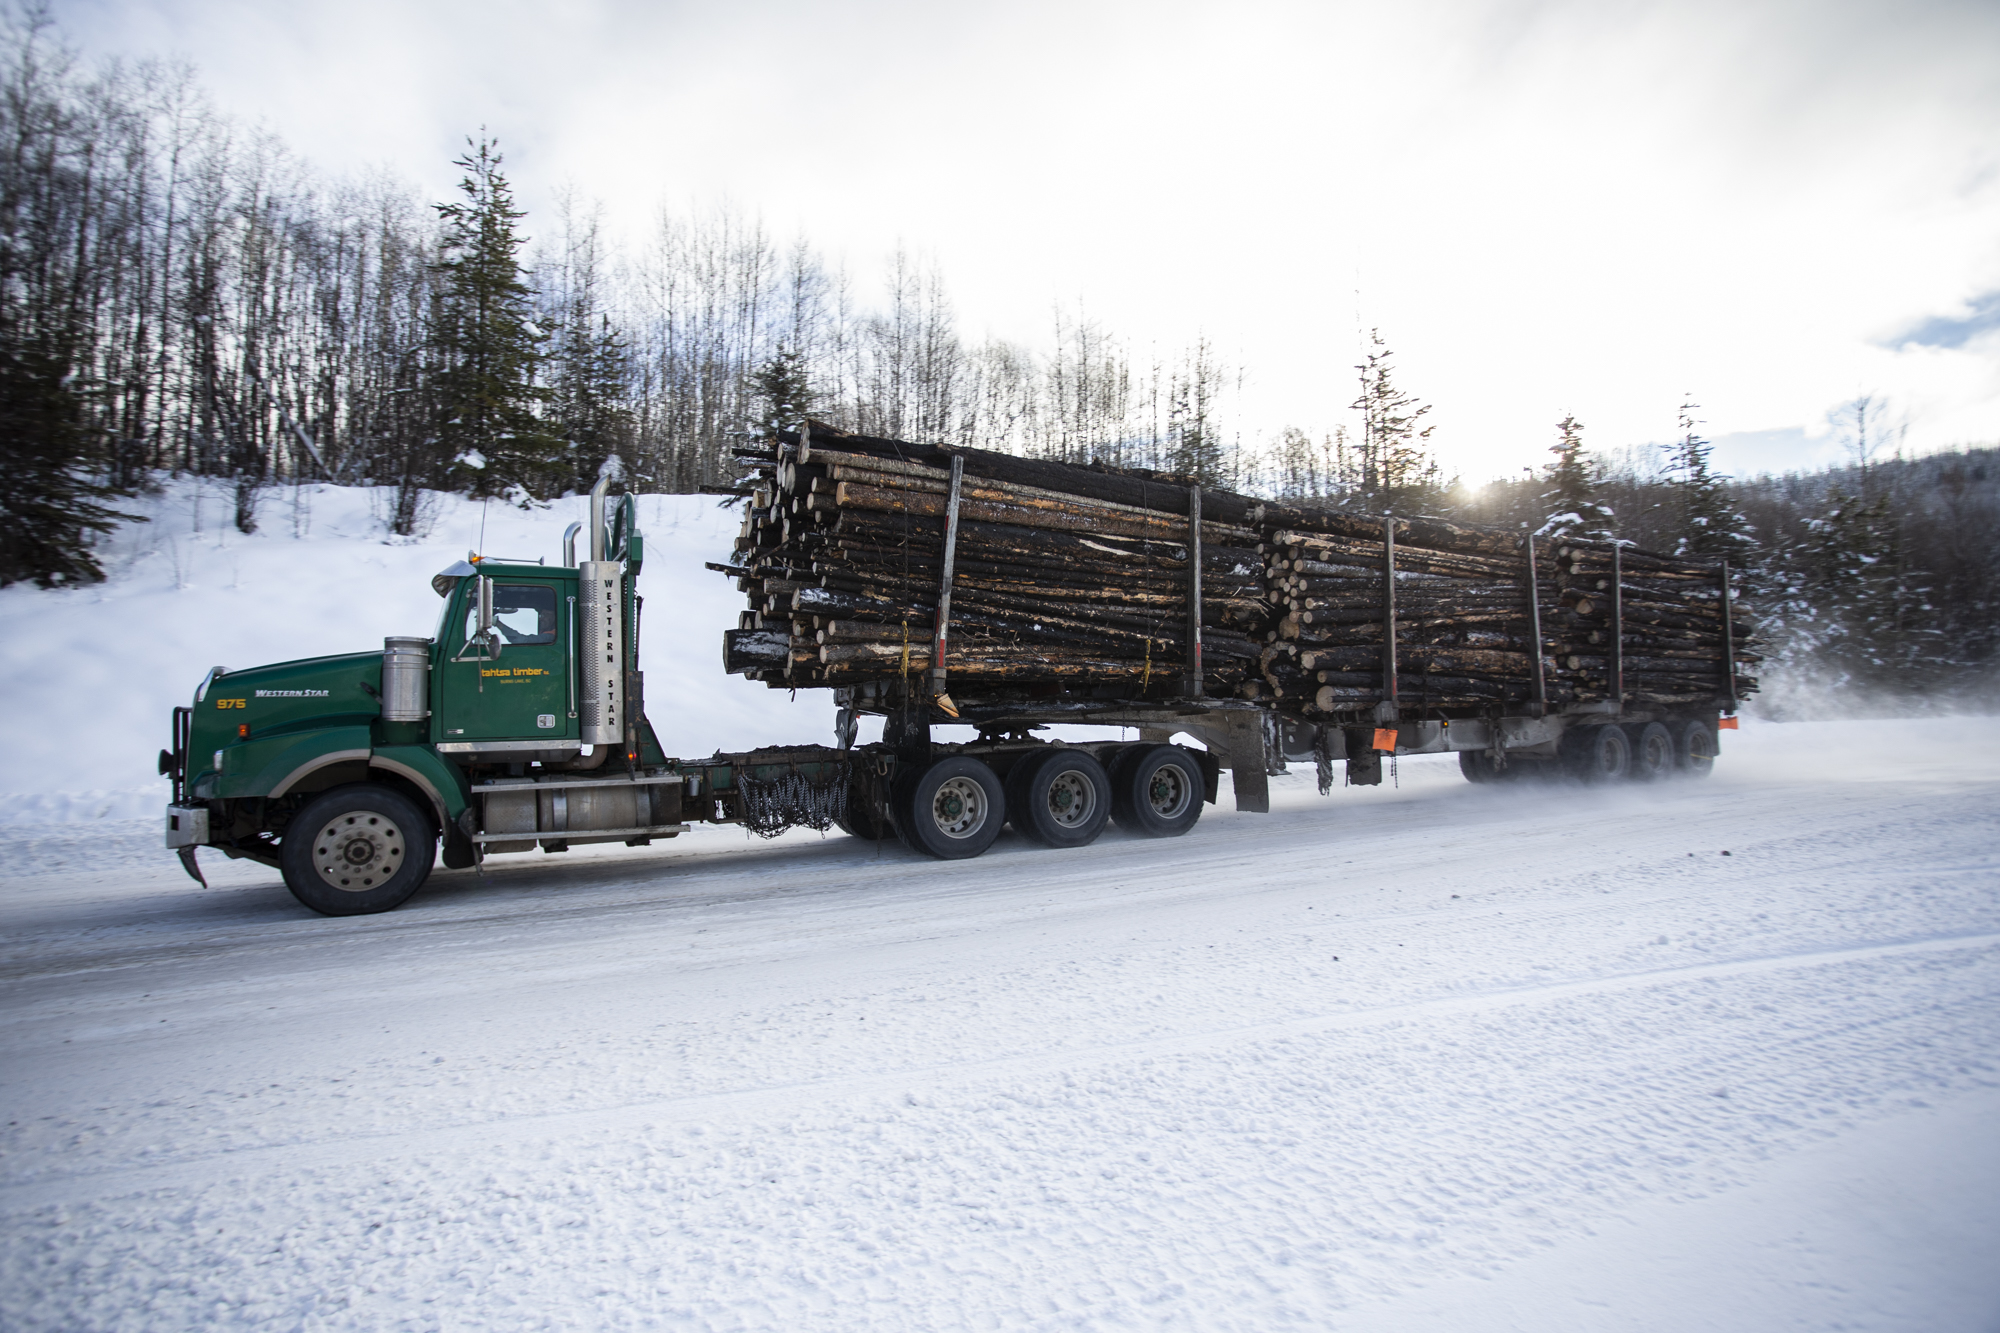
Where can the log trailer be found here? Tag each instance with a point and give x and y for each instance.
(521, 723)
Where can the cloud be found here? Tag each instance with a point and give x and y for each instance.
(1787, 449)
(1956, 332)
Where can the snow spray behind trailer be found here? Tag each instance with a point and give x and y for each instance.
(930, 586)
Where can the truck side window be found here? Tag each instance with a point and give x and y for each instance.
(523, 613)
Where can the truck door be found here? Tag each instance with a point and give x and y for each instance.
(520, 692)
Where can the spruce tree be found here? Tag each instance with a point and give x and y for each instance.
(783, 390)
(593, 372)
(1392, 468)
(49, 504)
(1570, 500)
(489, 345)
(1195, 445)
(1710, 527)
(1862, 608)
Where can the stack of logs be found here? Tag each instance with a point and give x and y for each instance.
(1059, 574)
(1084, 578)
(1463, 607)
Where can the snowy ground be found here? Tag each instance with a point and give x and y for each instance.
(1428, 1057)
(1436, 1057)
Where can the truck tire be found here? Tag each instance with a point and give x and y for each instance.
(861, 820)
(1061, 799)
(1695, 748)
(1598, 754)
(357, 849)
(1156, 791)
(1477, 766)
(1653, 755)
(951, 810)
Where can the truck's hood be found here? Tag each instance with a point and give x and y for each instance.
(312, 691)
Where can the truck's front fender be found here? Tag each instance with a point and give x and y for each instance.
(442, 782)
(279, 765)
(276, 765)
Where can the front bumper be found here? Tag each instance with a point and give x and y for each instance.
(187, 826)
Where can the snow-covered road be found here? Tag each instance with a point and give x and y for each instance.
(1436, 1056)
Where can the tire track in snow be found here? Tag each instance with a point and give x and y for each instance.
(743, 1103)
(695, 880)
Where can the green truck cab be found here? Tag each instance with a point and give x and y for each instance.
(518, 723)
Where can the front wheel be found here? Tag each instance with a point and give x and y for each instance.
(1156, 791)
(951, 810)
(356, 850)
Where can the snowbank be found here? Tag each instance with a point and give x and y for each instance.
(92, 673)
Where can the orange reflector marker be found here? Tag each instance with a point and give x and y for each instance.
(242, 730)
(1385, 739)
(1727, 724)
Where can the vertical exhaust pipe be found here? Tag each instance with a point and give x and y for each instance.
(597, 551)
(600, 609)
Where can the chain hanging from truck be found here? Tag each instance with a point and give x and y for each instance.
(793, 800)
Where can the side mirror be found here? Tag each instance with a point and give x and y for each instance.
(489, 641)
(482, 637)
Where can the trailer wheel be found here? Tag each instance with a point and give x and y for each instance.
(860, 820)
(357, 849)
(1653, 754)
(1477, 766)
(1598, 754)
(1063, 798)
(1695, 748)
(951, 810)
(1157, 792)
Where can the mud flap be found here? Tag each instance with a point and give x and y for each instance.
(189, 864)
(459, 849)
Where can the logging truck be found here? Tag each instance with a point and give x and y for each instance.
(521, 723)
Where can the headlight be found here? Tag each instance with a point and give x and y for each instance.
(218, 761)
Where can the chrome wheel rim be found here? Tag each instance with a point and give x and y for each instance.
(958, 807)
(358, 851)
(1167, 791)
(1071, 799)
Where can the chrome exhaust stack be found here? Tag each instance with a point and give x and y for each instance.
(597, 533)
(600, 628)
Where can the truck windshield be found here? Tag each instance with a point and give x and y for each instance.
(522, 613)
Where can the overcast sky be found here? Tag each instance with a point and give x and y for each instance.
(1546, 208)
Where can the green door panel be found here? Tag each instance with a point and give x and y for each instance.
(521, 692)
